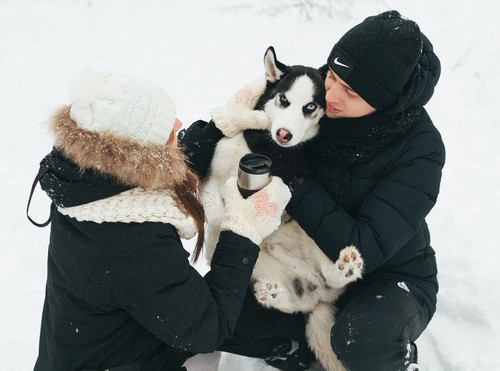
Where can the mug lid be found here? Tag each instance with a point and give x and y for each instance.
(254, 163)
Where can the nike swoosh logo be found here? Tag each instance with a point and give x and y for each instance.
(336, 61)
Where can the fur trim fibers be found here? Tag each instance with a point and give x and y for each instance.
(145, 166)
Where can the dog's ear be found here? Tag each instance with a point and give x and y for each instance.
(274, 69)
(323, 71)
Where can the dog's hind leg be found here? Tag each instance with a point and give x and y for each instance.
(318, 328)
(272, 294)
(269, 288)
(348, 268)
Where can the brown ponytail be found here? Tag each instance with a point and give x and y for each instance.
(188, 193)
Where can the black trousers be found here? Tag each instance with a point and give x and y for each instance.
(373, 329)
(376, 323)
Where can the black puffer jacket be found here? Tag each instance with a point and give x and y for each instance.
(124, 293)
(379, 206)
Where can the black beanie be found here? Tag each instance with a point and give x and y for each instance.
(388, 62)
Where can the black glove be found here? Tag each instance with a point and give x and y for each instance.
(291, 165)
(198, 142)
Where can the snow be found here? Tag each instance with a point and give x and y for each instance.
(203, 51)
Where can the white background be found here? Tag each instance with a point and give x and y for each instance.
(203, 51)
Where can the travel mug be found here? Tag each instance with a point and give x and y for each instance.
(254, 173)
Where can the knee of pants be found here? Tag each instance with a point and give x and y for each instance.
(361, 345)
(349, 339)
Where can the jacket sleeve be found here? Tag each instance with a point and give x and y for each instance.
(198, 142)
(183, 309)
(389, 215)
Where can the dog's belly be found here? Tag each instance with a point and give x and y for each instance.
(291, 259)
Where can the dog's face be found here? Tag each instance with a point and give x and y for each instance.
(294, 100)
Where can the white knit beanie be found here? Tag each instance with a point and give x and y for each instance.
(126, 106)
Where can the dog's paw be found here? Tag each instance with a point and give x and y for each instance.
(266, 292)
(349, 265)
(274, 295)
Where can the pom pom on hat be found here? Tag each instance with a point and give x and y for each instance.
(111, 102)
(387, 61)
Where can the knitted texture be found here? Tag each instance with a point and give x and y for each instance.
(257, 216)
(131, 107)
(238, 114)
(350, 141)
(137, 205)
(388, 61)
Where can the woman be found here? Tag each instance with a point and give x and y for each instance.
(375, 174)
(121, 294)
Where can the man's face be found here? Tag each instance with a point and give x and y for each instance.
(342, 101)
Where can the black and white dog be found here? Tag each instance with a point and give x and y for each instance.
(291, 274)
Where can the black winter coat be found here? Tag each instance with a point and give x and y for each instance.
(124, 293)
(380, 207)
(120, 293)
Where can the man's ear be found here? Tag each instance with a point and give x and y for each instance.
(323, 71)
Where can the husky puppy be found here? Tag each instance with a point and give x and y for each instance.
(292, 274)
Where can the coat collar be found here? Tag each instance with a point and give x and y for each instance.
(131, 163)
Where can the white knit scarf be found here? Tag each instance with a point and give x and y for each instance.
(137, 205)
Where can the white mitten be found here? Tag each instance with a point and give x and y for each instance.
(238, 114)
(257, 216)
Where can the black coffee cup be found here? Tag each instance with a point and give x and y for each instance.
(254, 173)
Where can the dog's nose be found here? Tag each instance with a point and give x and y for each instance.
(283, 135)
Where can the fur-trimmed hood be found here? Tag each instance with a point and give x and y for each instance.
(131, 163)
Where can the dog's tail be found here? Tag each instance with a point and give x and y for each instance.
(318, 329)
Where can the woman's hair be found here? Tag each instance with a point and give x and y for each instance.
(188, 193)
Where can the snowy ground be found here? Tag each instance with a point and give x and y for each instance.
(201, 52)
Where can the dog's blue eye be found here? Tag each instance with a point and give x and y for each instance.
(311, 107)
(283, 99)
